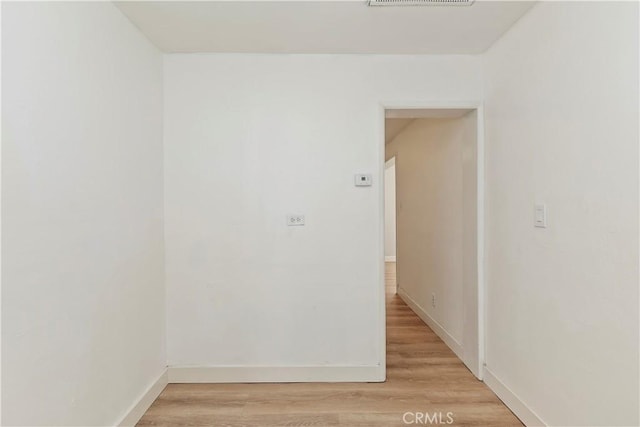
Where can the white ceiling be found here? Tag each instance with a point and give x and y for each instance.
(322, 26)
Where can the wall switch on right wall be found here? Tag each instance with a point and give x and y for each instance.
(540, 216)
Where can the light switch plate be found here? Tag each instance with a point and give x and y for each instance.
(363, 180)
(540, 216)
(293, 220)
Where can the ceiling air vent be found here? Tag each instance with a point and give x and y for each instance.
(420, 2)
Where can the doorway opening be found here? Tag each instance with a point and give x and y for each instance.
(433, 204)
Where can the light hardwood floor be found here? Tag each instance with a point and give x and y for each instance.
(423, 375)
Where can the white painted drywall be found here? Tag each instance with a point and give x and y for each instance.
(251, 138)
(472, 239)
(430, 225)
(390, 210)
(82, 278)
(562, 129)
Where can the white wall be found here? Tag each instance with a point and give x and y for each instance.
(82, 278)
(430, 190)
(251, 138)
(562, 129)
(390, 210)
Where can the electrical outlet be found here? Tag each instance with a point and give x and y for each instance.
(295, 220)
(433, 300)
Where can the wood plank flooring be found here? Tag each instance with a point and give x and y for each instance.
(423, 376)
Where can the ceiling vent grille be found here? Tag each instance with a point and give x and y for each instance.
(420, 2)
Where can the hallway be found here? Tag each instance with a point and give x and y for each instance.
(423, 376)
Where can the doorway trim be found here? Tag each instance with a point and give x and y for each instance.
(389, 164)
(475, 362)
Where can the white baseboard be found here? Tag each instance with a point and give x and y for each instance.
(448, 339)
(513, 402)
(390, 258)
(281, 374)
(138, 409)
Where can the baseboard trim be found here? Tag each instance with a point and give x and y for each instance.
(513, 402)
(280, 374)
(390, 259)
(137, 410)
(448, 339)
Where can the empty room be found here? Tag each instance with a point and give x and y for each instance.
(327, 213)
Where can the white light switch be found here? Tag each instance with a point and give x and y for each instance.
(295, 220)
(363, 180)
(540, 216)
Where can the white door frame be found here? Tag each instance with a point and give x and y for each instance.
(392, 160)
(475, 357)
